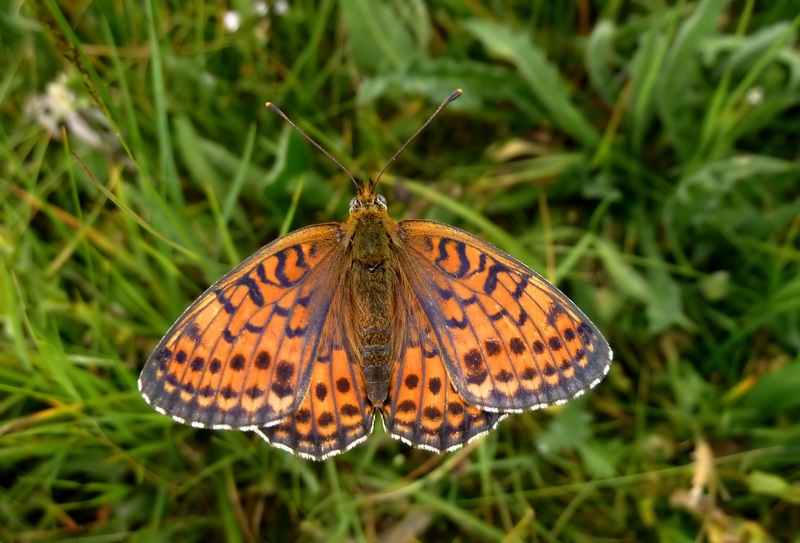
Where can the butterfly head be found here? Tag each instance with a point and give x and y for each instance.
(366, 198)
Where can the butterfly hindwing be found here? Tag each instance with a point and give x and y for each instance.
(241, 355)
(334, 414)
(424, 409)
(509, 339)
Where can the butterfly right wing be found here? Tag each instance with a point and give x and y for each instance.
(242, 355)
(335, 414)
(509, 339)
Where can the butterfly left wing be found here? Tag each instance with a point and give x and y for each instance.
(424, 409)
(509, 339)
(241, 356)
(334, 416)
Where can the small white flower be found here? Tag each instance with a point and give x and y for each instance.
(59, 106)
(54, 106)
(755, 96)
(208, 79)
(260, 8)
(231, 21)
(281, 7)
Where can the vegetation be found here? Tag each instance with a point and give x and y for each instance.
(643, 155)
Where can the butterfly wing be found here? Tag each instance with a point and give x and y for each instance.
(509, 339)
(241, 355)
(424, 409)
(334, 415)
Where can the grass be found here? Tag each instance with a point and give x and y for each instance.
(643, 155)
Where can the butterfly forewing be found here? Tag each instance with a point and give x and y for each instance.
(509, 339)
(334, 414)
(242, 355)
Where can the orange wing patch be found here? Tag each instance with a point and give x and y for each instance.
(424, 409)
(509, 339)
(334, 415)
(240, 356)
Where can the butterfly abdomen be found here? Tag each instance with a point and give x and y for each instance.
(371, 293)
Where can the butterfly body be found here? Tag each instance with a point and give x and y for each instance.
(373, 286)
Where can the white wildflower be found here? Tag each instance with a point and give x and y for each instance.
(231, 21)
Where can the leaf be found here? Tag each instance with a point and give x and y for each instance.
(436, 78)
(645, 67)
(679, 67)
(625, 278)
(569, 429)
(379, 40)
(772, 485)
(775, 391)
(599, 57)
(540, 74)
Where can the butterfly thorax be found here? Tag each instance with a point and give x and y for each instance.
(372, 282)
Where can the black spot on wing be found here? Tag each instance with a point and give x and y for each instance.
(406, 406)
(343, 385)
(192, 331)
(263, 360)
(237, 363)
(321, 391)
(517, 346)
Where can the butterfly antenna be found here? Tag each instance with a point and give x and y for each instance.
(456, 94)
(282, 115)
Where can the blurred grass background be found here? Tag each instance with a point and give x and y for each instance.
(643, 155)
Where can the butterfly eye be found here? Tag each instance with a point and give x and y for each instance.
(381, 202)
(354, 204)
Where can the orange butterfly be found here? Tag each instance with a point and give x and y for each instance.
(439, 332)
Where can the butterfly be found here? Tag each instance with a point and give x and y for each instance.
(321, 331)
